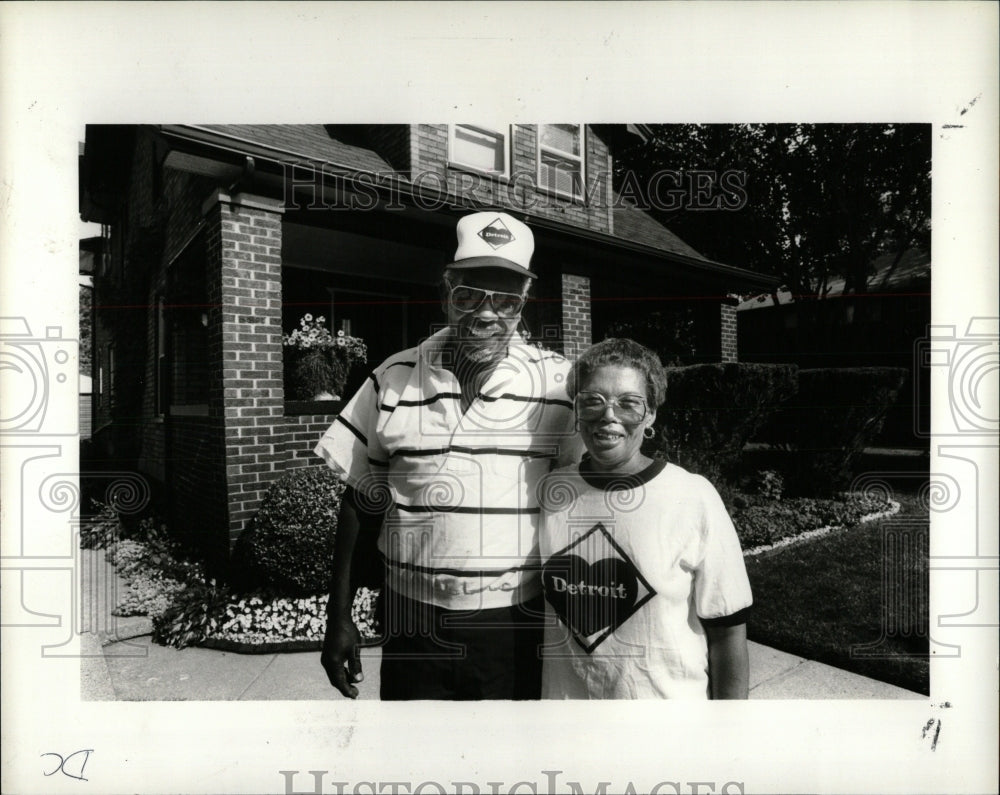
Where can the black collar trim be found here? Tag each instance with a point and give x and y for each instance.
(613, 481)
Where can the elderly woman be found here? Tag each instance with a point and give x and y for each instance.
(642, 565)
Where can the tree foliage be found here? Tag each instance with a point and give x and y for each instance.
(820, 200)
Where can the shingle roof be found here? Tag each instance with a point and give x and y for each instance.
(314, 141)
(631, 223)
(310, 140)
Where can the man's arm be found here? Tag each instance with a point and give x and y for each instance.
(728, 661)
(341, 643)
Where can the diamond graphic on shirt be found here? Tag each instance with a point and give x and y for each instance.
(594, 587)
(496, 234)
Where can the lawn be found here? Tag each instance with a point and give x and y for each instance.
(856, 599)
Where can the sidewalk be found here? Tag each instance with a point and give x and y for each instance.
(140, 670)
(121, 663)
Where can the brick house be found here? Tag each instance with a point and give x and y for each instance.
(218, 238)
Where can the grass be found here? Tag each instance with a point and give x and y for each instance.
(844, 601)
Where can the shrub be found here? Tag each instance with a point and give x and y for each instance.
(769, 484)
(288, 545)
(828, 423)
(148, 593)
(131, 557)
(761, 521)
(102, 529)
(712, 410)
(193, 614)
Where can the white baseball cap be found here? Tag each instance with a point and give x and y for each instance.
(494, 240)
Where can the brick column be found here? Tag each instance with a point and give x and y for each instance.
(247, 391)
(576, 327)
(727, 330)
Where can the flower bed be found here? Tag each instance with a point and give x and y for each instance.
(258, 624)
(763, 524)
(188, 609)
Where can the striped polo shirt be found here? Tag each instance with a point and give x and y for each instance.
(458, 490)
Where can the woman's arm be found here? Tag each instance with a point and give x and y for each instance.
(728, 661)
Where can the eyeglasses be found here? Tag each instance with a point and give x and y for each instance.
(466, 299)
(591, 406)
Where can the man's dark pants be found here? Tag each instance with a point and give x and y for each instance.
(433, 653)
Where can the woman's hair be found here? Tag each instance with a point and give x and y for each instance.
(623, 353)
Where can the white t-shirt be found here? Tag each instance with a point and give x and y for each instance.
(633, 566)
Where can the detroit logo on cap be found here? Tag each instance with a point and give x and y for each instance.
(496, 234)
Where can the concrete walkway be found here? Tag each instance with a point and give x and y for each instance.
(120, 662)
(140, 670)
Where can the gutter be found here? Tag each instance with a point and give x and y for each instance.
(718, 268)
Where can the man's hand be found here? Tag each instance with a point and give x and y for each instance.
(340, 656)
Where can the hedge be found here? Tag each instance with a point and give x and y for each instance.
(288, 545)
(827, 424)
(712, 411)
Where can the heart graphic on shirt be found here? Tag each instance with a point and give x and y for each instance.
(590, 597)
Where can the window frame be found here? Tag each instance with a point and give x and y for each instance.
(568, 156)
(507, 145)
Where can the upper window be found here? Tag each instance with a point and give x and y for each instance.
(560, 159)
(479, 148)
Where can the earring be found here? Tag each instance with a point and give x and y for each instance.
(648, 432)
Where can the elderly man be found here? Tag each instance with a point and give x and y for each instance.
(442, 450)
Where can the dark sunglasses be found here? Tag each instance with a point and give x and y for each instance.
(467, 299)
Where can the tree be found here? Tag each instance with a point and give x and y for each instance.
(807, 202)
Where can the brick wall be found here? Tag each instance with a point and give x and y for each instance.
(297, 438)
(197, 496)
(576, 327)
(392, 142)
(727, 331)
(245, 388)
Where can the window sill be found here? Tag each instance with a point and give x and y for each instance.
(298, 408)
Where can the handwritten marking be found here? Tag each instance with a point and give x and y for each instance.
(936, 723)
(61, 767)
(967, 107)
